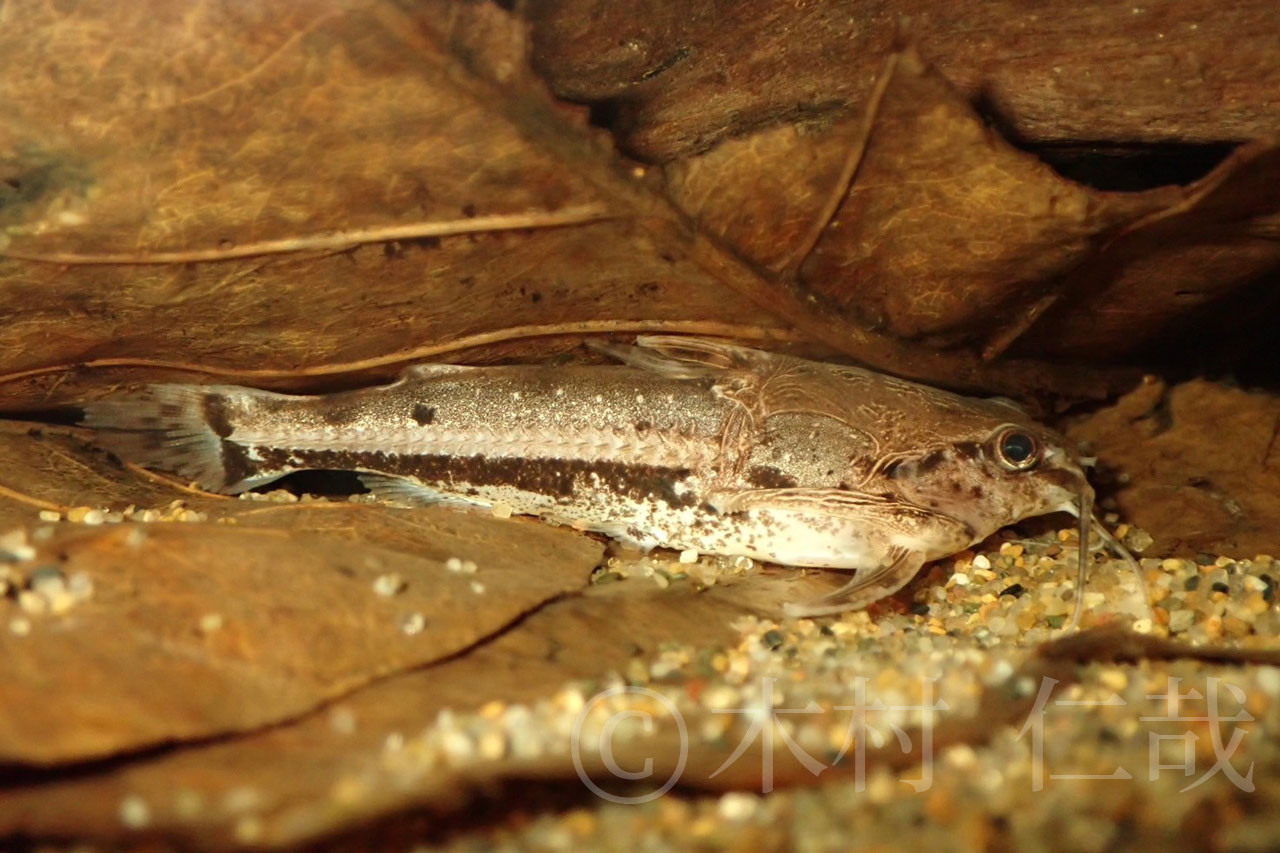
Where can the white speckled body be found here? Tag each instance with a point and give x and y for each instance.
(692, 444)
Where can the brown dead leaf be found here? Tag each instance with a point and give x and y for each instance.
(284, 195)
(356, 762)
(1167, 267)
(295, 782)
(947, 232)
(256, 615)
(1202, 462)
(226, 219)
(312, 196)
(680, 77)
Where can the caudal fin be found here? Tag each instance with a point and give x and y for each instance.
(180, 429)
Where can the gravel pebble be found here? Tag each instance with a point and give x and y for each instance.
(963, 630)
(413, 624)
(134, 812)
(389, 585)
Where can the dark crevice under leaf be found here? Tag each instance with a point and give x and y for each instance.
(1132, 168)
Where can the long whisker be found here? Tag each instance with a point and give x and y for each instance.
(1090, 523)
(1117, 547)
(1085, 514)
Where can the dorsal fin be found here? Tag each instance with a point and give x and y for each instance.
(686, 357)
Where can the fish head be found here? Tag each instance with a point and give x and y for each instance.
(992, 475)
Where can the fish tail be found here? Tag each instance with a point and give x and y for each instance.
(181, 429)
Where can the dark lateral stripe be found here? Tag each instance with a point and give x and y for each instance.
(559, 478)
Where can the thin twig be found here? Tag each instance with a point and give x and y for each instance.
(791, 266)
(13, 494)
(1006, 337)
(576, 215)
(173, 483)
(588, 327)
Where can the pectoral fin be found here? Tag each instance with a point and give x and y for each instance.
(868, 585)
(867, 508)
(405, 492)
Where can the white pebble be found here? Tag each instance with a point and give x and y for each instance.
(720, 697)
(57, 597)
(20, 626)
(1268, 678)
(389, 584)
(961, 756)
(80, 585)
(1113, 679)
(413, 624)
(981, 562)
(881, 788)
(477, 587)
(492, 745)
(50, 515)
(1254, 583)
(32, 602)
(48, 583)
(456, 745)
(134, 812)
(342, 720)
(738, 805)
(14, 547)
(689, 555)
(502, 509)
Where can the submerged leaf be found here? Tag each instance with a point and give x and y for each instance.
(229, 615)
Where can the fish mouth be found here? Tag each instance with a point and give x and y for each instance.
(1082, 509)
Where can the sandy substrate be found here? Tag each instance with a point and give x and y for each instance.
(1060, 751)
(668, 707)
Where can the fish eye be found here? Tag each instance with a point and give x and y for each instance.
(1016, 450)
